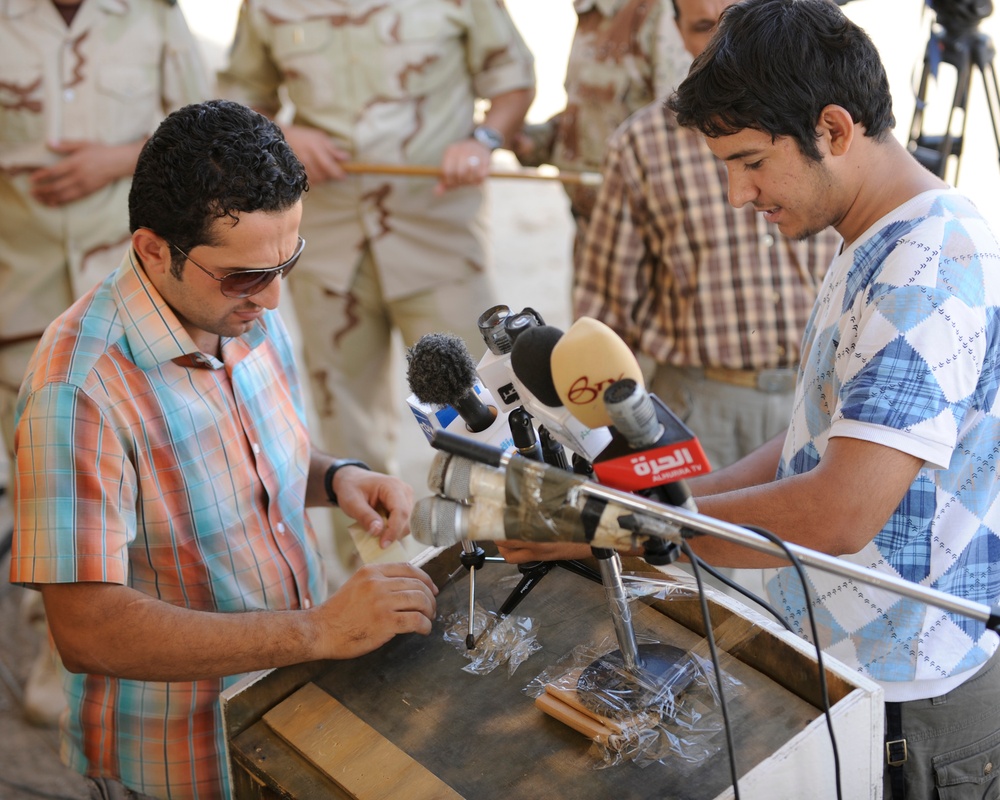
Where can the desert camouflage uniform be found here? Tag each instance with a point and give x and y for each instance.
(108, 77)
(624, 55)
(391, 83)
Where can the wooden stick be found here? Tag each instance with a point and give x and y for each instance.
(572, 699)
(420, 170)
(583, 723)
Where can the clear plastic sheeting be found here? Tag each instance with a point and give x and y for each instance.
(666, 709)
(510, 640)
(679, 585)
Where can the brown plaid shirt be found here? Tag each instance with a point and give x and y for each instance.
(680, 274)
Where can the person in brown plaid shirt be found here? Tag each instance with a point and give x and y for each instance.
(714, 296)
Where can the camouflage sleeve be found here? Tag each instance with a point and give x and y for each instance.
(671, 61)
(499, 60)
(185, 77)
(251, 77)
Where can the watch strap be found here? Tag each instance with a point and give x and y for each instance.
(339, 463)
(490, 137)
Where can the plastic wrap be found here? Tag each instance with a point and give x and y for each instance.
(509, 641)
(667, 709)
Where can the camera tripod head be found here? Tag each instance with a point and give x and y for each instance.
(960, 17)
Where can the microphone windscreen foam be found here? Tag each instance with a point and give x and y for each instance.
(531, 360)
(440, 369)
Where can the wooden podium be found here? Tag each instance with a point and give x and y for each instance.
(407, 722)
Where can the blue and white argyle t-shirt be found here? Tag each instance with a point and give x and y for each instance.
(903, 349)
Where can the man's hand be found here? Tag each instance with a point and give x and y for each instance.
(378, 602)
(86, 167)
(317, 152)
(110, 629)
(465, 163)
(380, 503)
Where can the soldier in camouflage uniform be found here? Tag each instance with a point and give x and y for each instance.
(625, 54)
(389, 83)
(77, 101)
(82, 85)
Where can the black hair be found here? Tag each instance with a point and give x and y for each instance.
(773, 65)
(207, 161)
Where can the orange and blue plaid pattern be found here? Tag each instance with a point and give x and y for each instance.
(142, 461)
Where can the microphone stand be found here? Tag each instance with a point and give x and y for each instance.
(671, 523)
(473, 557)
(687, 523)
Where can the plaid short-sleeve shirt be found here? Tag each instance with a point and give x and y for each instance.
(142, 461)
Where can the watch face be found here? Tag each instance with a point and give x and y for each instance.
(487, 136)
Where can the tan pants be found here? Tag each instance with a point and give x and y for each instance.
(347, 348)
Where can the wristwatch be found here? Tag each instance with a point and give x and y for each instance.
(332, 470)
(490, 137)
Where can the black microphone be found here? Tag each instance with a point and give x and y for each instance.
(523, 431)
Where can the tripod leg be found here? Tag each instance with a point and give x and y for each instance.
(992, 100)
(934, 150)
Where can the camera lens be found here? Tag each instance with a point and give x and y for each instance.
(493, 330)
(518, 323)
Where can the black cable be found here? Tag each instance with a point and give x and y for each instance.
(714, 653)
(815, 634)
(745, 592)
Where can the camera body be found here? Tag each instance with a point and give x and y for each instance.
(959, 17)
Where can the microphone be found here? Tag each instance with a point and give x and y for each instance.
(530, 360)
(523, 432)
(462, 479)
(587, 359)
(446, 394)
(651, 449)
(534, 502)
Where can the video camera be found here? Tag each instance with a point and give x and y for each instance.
(957, 17)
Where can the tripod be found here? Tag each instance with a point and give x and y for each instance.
(965, 50)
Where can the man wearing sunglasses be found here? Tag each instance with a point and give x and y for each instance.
(163, 469)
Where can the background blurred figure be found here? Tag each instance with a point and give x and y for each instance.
(715, 296)
(84, 84)
(394, 84)
(624, 55)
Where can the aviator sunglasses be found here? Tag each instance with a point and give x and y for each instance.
(248, 282)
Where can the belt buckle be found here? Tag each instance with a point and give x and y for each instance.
(895, 752)
(775, 381)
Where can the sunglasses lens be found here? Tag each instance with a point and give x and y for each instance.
(250, 282)
(245, 284)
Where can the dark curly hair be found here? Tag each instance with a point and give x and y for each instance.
(773, 65)
(207, 161)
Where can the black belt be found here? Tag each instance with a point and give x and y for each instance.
(895, 750)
